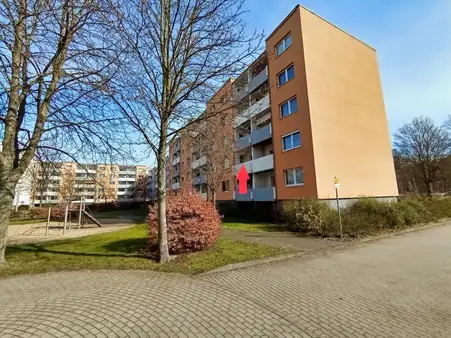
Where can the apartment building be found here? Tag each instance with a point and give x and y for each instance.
(95, 183)
(309, 109)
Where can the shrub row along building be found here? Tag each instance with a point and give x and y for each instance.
(309, 109)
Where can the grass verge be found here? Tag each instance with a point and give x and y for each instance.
(123, 250)
(259, 227)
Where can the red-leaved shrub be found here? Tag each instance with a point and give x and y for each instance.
(38, 213)
(192, 224)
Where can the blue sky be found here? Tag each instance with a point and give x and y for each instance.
(412, 39)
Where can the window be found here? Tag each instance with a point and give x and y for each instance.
(226, 163)
(225, 185)
(291, 141)
(286, 75)
(294, 177)
(283, 45)
(289, 107)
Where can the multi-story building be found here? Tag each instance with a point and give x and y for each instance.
(95, 183)
(310, 109)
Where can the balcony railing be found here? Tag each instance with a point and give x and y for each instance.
(176, 160)
(258, 79)
(253, 110)
(175, 172)
(267, 194)
(261, 134)
(202, 179)
(255, 82)
(243, 197)
(243, 142)
(199, 162)
(260, 164)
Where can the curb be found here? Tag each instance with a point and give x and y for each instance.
(342, 245)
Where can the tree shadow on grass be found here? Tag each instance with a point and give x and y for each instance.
(129, 248)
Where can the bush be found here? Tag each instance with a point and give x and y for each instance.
(38, 213)
(439, 208)
(365, 216)
(306, 215)
(192, 224)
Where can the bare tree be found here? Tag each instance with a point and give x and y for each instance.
(179, 53)
(213, 140)
(54, 58)
(46, 165)
(423, 145)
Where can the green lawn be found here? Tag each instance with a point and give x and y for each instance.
(124, 250)
(254, 226)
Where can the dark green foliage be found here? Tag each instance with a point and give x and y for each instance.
(364, 217)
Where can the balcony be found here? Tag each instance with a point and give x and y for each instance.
(261, 134)
(243, 142)
(243, 197)
(126, 179)
(267, 194)
(263, 163)
(89, 171)
(253, 110)
(127, 172)
(176, 160)
(264, 194)
(199, 162)
(176, 186)
(202, 179)
(258, 79)
(175, 172)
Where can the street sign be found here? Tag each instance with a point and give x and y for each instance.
(337, 185)
(242, 178)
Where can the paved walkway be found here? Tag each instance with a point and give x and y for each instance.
(395, 287)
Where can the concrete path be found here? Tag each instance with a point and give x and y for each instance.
(395, 287)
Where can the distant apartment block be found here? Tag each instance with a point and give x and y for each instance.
(309, 109)
(95, 183)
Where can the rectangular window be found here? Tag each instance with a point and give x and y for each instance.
(225, 185)
(283, 45)
(289, 107)
(286, 75)
(291, 141)
(294, 177)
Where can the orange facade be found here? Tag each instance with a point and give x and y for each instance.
(327, 84)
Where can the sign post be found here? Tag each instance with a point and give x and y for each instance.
(337, 185)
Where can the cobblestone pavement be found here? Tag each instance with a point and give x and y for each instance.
(395, 287)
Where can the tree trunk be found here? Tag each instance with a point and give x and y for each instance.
(163, 249)
(429, 188)
(6, 201)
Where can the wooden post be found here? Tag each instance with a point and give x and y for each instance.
(48, 222)
(79, 214)
(65, 219)
(70, 215)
